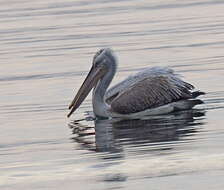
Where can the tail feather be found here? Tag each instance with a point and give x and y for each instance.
(195, 94)
(186, 104)
(196, 102)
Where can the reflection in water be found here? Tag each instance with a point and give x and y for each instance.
(46, 49)
(112, 135)
(148, 135)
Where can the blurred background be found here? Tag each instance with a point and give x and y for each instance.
(46, 50)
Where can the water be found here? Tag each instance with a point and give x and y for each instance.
(46, 50)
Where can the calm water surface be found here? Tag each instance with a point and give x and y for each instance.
(46, 50)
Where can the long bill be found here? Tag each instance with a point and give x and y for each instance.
(94, 75)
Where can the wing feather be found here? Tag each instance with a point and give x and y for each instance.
(132, 79)
(151, 92)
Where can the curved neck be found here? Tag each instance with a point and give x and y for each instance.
(100, 107)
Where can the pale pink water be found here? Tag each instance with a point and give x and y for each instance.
(46, 50)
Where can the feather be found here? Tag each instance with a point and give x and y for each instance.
(132, 79)
(151, 92)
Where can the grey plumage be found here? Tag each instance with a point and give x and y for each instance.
(148, 89)
(134, 78)
(153, 91)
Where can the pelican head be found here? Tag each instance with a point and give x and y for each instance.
(103, 67)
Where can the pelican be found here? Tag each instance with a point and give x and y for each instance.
(153, 91)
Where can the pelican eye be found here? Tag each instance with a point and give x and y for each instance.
(97, 62)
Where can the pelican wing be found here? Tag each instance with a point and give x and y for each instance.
(150, 92)
(133, 79)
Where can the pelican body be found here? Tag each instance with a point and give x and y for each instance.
(154, 91)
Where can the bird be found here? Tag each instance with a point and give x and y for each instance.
(152, 91)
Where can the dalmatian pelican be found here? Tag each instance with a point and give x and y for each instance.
(153, 91)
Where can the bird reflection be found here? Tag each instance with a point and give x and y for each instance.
(113, 135)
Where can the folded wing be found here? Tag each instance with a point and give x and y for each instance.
(132, 79)
(152, 91)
